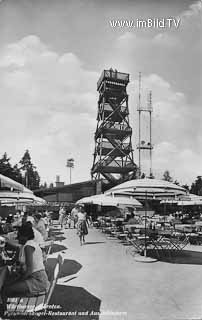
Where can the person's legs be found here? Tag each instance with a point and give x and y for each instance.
(17, 288)
(80, 237)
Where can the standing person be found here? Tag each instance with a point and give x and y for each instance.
(61, 217)
(40, 225)
(74, 215)
(68, 220)
(82, 225)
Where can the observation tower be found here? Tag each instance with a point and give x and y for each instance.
(113, 155)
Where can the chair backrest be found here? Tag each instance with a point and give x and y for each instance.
(46, 249)
(55, 278)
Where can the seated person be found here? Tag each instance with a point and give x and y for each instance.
(30, 218)
(131, 219)
(8, 225)
(31, 279)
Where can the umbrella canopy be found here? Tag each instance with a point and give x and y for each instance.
(152, 188)
(19, 198)
(107, 200)
(190, 200)
(9, 183)
(169, 201)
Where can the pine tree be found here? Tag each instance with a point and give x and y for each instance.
(31, 178)
(7, 170)
(167, 177)
(196, 186)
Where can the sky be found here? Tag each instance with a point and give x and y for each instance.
(52, 53)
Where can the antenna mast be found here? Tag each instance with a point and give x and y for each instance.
(141, 144)
(139, 112)
(150, 109)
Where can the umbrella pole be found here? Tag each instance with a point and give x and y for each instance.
(145, 226)
(164, 214)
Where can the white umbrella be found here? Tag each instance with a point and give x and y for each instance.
(146, 189)
(19, 198)
(10, 183)
(190, 200)
(104, 200)
(152, 188)
(189, 203)
(169, 201)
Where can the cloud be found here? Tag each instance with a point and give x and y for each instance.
(165, 39)
(22, 52)
(193, 10)
(184, 165)
(53, 104)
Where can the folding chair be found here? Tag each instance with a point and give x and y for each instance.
(46, 249)
(137, 245)
(178, 244)
(33, 303)
(161, 246)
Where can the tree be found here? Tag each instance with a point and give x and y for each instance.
(196, 186)
(43, 186)
(31, 178)
(167, 177)
(185, 186)
(151, 176)
(5, 166)
(7, 170)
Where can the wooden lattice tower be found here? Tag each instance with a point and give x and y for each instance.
(113, 156)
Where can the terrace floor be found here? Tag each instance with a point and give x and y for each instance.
(99, 280)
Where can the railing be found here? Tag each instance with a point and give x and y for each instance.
(117, 164)
(108, 145)
(124, 128)
(107, 107)
(113, 75)
(117, 126)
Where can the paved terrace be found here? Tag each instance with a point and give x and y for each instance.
(100, 281)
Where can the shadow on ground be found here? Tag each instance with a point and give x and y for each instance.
(56, 235)
(76, 302)
(59, 238)
(57, 248)
(183, 257)
(56, 232)
(69, 267)
(96, 242)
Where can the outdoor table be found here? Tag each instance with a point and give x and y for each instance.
(131, 227)
(165, 233)
(195, 238)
